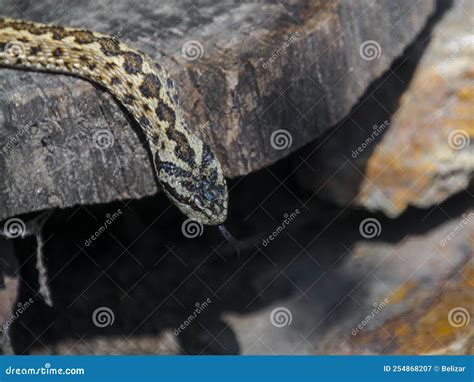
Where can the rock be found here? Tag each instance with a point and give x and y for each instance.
(10, 307)
(390, 154)
(382, 299)
(244, 71)
(164, 344)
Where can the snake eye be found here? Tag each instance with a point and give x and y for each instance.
(198, 202)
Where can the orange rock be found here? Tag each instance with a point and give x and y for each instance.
(424, 152)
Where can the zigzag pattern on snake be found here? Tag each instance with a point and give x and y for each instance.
(187, 169)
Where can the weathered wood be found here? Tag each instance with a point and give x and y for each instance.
(263, 66)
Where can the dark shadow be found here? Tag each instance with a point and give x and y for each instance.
(152, 277)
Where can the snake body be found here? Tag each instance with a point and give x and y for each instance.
(186, 168)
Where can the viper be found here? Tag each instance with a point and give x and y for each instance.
(187, 169)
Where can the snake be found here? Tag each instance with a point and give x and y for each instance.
(187, 169)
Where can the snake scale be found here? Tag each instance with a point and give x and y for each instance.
(187, 169)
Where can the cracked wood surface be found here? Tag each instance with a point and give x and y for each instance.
(263, 66)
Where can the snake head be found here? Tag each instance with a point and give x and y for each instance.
(198, 189)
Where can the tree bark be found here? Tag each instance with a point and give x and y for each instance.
(257, 67)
